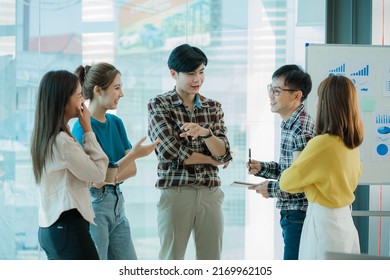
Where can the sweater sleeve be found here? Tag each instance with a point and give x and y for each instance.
(89, 165)
(304, 171)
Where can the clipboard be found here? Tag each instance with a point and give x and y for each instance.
(243, 184)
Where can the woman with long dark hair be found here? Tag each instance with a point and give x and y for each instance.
(328, 172)
(63, 169)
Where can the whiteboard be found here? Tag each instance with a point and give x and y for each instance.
(369, 68)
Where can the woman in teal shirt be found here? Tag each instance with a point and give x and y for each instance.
(102, 85)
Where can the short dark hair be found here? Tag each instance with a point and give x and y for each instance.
(186, 58)
(295, 77)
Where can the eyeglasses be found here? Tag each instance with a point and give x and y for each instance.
(276, 91)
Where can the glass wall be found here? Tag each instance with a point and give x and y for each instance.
(244, 40)
(379, 225)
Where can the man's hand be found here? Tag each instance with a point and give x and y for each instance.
(194, 130)
(254, 167)
(261, 188)
(218, 163)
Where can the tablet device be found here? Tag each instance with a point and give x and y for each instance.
(243, 184)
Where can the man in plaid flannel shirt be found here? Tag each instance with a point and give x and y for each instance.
(193, 144)
(289, 88)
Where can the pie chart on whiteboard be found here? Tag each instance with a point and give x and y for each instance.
(382, 149)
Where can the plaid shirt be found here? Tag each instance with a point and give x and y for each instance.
(167, 113)
(296, 132)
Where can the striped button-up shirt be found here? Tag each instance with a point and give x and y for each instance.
(297, 130)
(167, 113)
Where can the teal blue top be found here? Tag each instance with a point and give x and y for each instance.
(111, 136)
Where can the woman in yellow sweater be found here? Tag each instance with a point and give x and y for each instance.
(328, 171)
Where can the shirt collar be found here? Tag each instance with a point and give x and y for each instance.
(293, 117)
(199, 100)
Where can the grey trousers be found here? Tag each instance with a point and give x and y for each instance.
(197, 209)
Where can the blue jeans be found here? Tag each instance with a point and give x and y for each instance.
(291, 222)
(111, 234)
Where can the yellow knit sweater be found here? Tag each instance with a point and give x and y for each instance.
(326, 171)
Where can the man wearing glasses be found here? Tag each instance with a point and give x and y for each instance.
(289, 88)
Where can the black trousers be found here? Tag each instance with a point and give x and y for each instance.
(68, 238)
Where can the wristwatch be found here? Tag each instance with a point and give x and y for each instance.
(209, 135)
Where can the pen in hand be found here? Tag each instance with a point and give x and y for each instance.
(249, 165)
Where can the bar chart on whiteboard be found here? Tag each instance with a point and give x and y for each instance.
(368, 67)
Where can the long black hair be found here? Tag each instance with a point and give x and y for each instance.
(55, 90)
